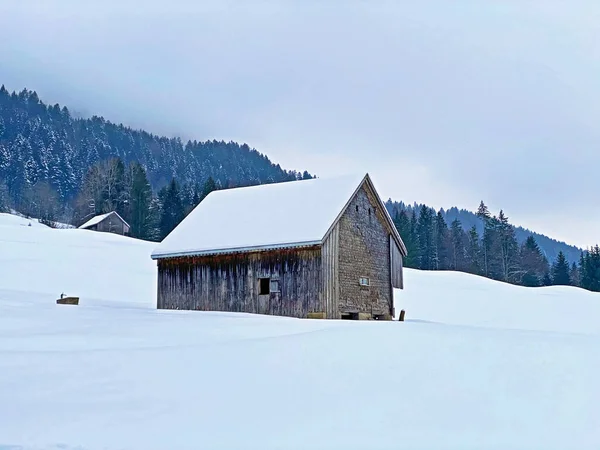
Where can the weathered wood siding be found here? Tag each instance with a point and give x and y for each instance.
(364, 251)
(330, 258)
(231, 282)
(112, 224)
(396, 261)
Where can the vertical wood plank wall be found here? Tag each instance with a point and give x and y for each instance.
(396, 266)
(230, 282)
(330, 277)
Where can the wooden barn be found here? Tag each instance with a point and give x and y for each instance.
(321, 248)
(110, 223)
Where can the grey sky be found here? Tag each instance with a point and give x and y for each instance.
(443, 102)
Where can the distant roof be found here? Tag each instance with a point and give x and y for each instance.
(288, 214)
(97, 219)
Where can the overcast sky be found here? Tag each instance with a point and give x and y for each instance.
(446, 103)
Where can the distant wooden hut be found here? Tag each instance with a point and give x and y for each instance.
(110, 223)
(322, 248)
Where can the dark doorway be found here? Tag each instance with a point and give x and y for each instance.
(350, 316)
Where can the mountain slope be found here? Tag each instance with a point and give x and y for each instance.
(550, 247)
(39, 142)
(479, 364)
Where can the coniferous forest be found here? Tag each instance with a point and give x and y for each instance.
(60, 168)
(433, 244)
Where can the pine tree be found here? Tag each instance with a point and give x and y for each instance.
(594, 268)
(590, 269)
(574, 275)
(5, 203)
(425, 235)
(140, 198)
(532, 263)
(154, 215)
(197, 197)
(547, 280)
(560, 271)
(413, 258)
(457, 237)
(405, 229)
(491, 250)
(508, 249)
(172, 209)
(441, 243)
(209, 186)
(473, 256)
(484, 214)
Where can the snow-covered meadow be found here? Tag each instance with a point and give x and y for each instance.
(477, 365)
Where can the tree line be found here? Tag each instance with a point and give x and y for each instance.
(46, 152)
(495, 253)
(550, 247)
(113, 186)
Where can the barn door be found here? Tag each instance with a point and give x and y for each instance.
(263, 304)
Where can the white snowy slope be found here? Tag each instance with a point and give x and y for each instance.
(95, 266)
(478, 365)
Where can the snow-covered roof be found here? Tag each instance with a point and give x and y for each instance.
(289, 214)
(97, 219)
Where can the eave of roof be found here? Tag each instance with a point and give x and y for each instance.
(225, 251)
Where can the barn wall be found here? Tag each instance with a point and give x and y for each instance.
(396, 262)
(330, 277)
(112, 224)
(230, 282)
(364, 251)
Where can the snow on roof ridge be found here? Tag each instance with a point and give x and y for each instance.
(261, 216)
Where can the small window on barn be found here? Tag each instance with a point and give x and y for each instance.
(364, 281)
(274, 286)
(264, 286)
(356, 208)
(369, 211)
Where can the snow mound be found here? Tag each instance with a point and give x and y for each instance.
(19, 220)
(41, 262)
(464, 299)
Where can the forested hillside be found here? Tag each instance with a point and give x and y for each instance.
(549, 247)
(487, 246)
(42, 143)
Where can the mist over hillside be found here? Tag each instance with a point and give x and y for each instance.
(40, 142)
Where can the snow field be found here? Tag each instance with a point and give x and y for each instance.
(477, 365)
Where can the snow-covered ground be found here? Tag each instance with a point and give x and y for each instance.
(478, 364)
